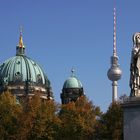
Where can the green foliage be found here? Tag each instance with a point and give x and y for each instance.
(110, 126)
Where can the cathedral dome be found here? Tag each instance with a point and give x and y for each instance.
(72, 89)
(21, 68)
(72, 82)
(22, 75)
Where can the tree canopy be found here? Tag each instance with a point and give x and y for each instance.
(37, 119)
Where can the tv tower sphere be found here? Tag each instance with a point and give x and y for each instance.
(114, 73)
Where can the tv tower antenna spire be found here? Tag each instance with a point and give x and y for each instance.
(114, 33)
(114, 73)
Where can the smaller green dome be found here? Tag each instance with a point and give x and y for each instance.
(72, 82)
(72, 89)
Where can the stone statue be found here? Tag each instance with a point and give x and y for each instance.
(135, 66)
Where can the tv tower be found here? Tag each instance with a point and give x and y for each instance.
(114, 73)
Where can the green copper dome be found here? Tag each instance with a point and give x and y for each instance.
(22, 68)
(72, 82)
(23, 75)
(72, 89)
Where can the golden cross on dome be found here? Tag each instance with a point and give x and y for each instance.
(20, 38)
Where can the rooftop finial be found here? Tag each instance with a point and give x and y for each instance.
(20, 50)
(21, 30)
(114, 32)
(20, 38)
(73, 71)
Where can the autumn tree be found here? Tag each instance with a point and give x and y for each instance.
(78, 120)
(10, 111)
(39, 120)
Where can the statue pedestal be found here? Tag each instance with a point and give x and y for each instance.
(131, 112)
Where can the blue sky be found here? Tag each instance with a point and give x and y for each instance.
(62, 34)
